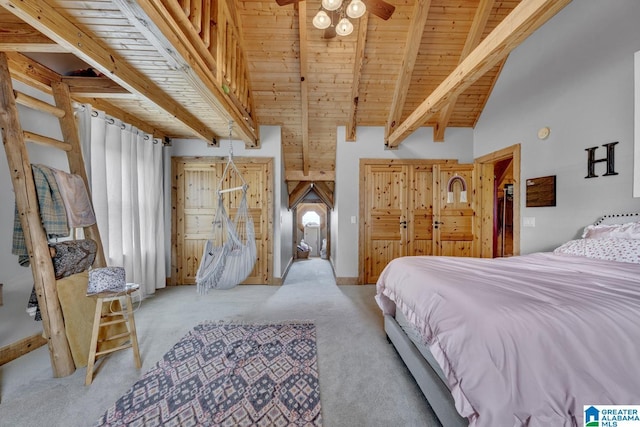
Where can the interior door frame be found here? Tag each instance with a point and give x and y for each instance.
(175, 200)
(487, 197)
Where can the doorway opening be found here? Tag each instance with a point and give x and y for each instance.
(311, 204)
(500, 202)
(503, 207)
(311, 228)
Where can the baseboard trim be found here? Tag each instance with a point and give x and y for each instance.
(20, 348)
(347, 281)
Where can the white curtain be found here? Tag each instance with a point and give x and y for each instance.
(126, 177)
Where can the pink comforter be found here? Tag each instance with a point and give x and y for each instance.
(528, 340)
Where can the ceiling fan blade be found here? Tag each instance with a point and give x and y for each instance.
(380, 8)
(286, 2)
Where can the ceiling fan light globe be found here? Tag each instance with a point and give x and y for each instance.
(321, 20)
(356, 9)
(344, 27)
(331, 4)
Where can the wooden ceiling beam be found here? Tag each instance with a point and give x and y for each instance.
(523, 20)
(96, 87)
(298, 193)
(304, 86)
(304, 187)
(36, 75)
(20, 37)
(363, 25)
(44, 18)
(411, 48)
(311, 176)
(473, 40)
(31, 73)
(324, 192)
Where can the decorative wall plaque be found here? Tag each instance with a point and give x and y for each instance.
(541, 191)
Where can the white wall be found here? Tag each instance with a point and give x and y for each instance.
(270, 146)
(285, 218)
(574, 75)
(370, 144)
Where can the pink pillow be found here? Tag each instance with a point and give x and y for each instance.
(630, 230)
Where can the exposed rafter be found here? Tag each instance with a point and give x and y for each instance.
(305, 187)
(96, 87)
(526, 18)
(19, 37)
(31, 73)
(43, 17)
(473, 39)
(298, 193)
(304, 86)
(28, 71)
(363, 25)
(411, 47)
(297, 175)
(324, 192)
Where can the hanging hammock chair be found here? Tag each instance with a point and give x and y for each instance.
(230, 255)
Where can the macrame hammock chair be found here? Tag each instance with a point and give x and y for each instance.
(230, 255)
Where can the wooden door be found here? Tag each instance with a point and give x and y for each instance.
(195, 202)
(454, 232)
(256, 175)
(385, 216)
(195, 208)
(420, 211)
(397, 208)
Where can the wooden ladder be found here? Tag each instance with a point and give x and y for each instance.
(14, 139)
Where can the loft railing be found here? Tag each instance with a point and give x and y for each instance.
(212, 25)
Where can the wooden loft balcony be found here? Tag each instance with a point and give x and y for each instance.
(182, 63)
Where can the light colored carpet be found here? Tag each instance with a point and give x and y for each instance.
(363, 382)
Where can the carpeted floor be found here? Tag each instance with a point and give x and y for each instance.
(229, 374)
(362, 380)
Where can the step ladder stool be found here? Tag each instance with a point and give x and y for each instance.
(101, 320)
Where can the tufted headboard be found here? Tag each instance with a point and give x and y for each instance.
(618, 218)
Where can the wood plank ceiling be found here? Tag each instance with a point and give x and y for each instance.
(184, 68)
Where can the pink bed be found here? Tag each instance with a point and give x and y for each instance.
(526, 340)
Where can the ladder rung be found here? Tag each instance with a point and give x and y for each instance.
(112, 322)
(45, 140)
(36, 104)
(114, 313)
(115, 337)
(111, 350)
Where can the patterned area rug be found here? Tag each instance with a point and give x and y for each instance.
(224, 374)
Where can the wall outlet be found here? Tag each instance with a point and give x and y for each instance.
(529, 221)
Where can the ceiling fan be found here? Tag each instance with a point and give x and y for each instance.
(380, 8)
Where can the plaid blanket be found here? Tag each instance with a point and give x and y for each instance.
(52, 212)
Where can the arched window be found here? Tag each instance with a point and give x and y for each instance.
(310, 217)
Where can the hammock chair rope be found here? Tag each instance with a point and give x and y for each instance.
(230, 255)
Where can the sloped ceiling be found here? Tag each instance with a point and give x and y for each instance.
(185, 68)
